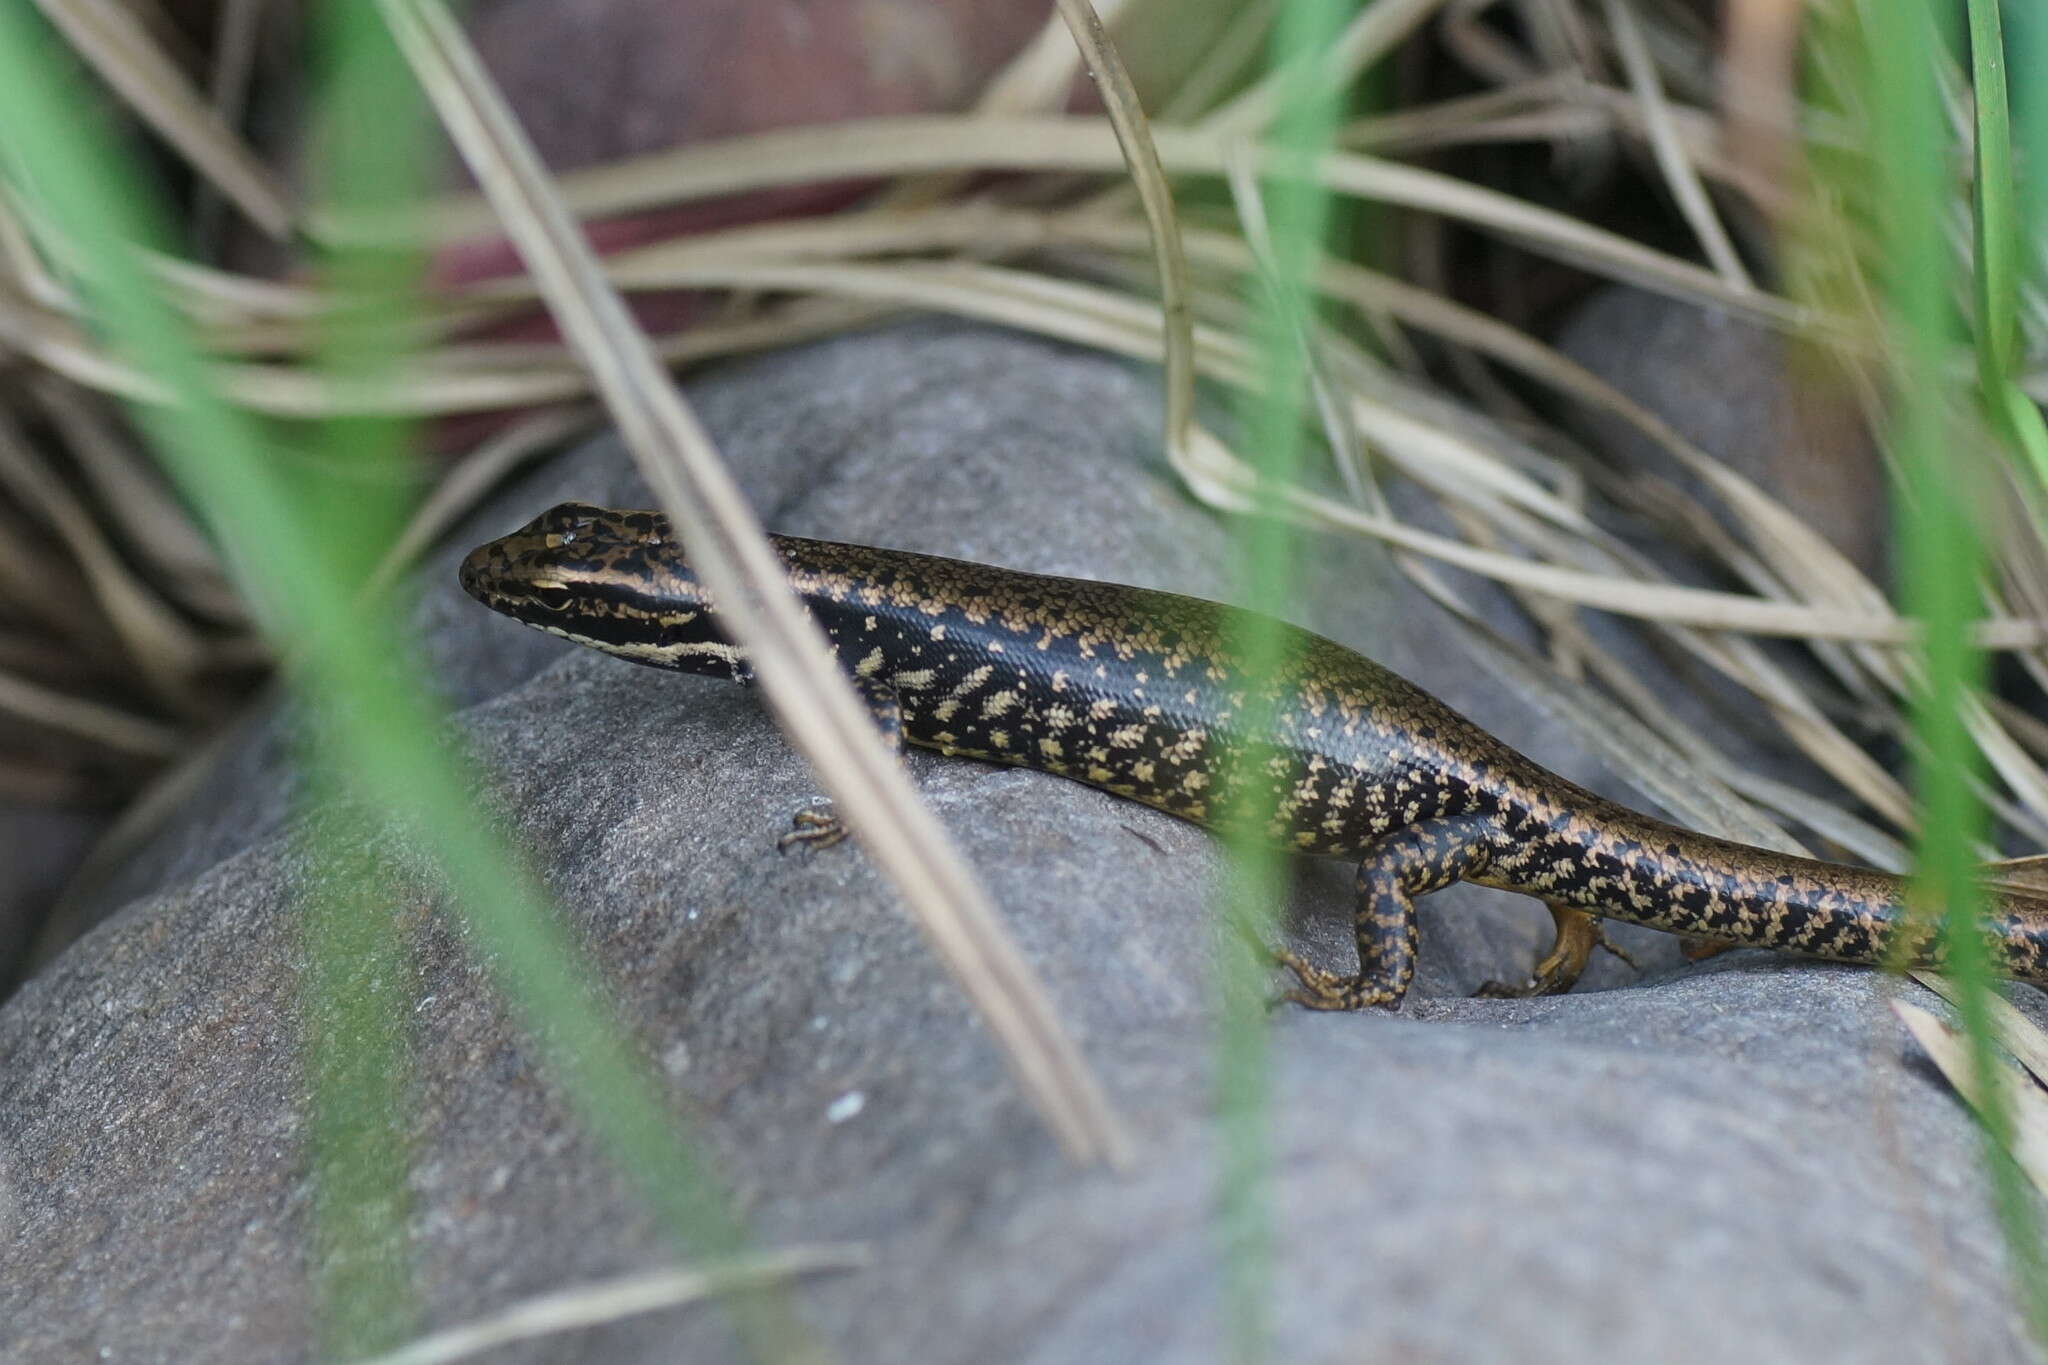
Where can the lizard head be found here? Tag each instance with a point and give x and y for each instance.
(614, 580)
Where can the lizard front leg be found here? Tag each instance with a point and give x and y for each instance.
(816, 825)
(1413, 862)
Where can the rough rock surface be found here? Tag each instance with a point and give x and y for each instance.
(40, 847)
(1744, 395)
(1737, 1161)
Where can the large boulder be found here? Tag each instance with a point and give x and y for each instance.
(1736, 1161)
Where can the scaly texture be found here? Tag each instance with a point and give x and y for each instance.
(1142, 694)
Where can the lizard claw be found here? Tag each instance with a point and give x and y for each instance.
(813, 827)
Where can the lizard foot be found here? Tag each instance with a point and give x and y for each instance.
(1700, 949)
(1578, 934)
(1325, 990)
(813, 827)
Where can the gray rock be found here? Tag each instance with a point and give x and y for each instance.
(40, 847)
(1737, 1161)
(1743, 394)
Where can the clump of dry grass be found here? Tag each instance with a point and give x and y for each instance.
(119, 628)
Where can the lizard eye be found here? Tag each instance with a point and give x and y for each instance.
(567, 518)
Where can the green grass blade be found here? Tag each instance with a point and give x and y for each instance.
(357, 999)
(2027, 39)
(1938, 483)
(371, 139)
(1298, 212)
(2026, 175)
(2001, 265)
(1996, 217)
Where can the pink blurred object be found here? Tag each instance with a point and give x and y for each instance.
(597, 81)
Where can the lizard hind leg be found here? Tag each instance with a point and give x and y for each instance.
(1411, 862)
(1578, 934)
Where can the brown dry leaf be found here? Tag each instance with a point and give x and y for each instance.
(2027, 1105)
(163, 647)
(592, 1305)
(1235, 52)
(1039, 75)
(912, 145)
(144, 516)
(1760, 87)
(1141, 157)
(1339, 430)
(1680, 177)
(472, 477)
(2010, 1029)
(1376, 31)
(103, 725)
(1811, 558)
(1113, 321)
(120, 47)
(2028, 876)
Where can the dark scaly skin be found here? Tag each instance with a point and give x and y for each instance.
(1137, 692)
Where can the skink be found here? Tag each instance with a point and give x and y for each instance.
(1144, 694)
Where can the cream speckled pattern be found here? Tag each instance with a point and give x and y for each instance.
(1144, 694)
